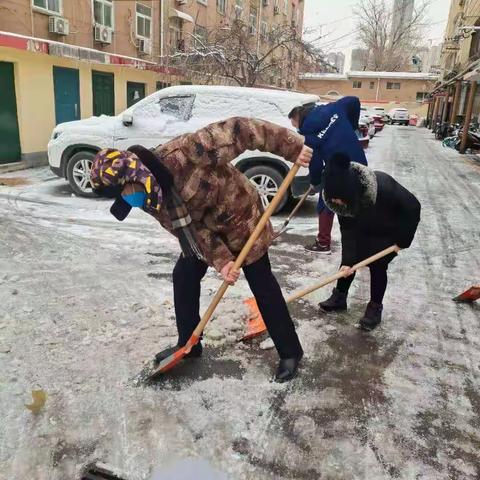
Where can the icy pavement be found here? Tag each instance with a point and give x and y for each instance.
(87, 300)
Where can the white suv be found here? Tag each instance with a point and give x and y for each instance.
(400, 116)
(174, 111)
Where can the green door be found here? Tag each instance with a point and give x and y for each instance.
(103, 93)
(9, 136)
(66, 85)
(135, 92)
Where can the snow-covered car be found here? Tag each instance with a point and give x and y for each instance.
(171, 112)
(366, 117)
(362, 134)
(380, 111)
(399, 115)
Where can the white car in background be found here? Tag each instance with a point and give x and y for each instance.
(399, 115)
(171, 112)
(380, 111)
(366, 117)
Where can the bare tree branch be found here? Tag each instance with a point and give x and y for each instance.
(232, 53)
(389, 38)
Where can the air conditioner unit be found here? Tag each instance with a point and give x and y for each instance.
(145, 46)
(58, 25)
(103, 34)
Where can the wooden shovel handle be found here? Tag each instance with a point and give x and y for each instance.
(339, 274)
(248, 246)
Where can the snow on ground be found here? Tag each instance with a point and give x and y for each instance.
(86, 301)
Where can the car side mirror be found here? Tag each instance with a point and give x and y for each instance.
(127, 119)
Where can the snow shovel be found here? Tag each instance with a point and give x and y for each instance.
(470, 295)
(255, 323)
(176, 357)
(100, 471)
(294, 211)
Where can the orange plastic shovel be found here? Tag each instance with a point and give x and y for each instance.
(470, 295)
(176, 357)
(255, 323)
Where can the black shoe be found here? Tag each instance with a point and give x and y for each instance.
(316, 247)
(287, 369)
(372, 317)
(336, 302)
(195, 352)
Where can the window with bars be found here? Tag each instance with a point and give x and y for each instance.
(103, 12)
(144, 21)
(200, 34)
(276, 8)
(393, 85)
(50, 6)
(264, 29)
(421, 96)
(372, 85)
(252, 22)
(162, 85)
(357, 84)
(177, 44)
(221, 6)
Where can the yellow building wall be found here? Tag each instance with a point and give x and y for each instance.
(35, 92)
(405, 97)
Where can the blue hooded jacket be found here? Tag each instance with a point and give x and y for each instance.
(330, 129)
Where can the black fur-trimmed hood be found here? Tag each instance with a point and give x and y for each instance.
(365, 197)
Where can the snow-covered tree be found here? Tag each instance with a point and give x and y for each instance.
(247, 57)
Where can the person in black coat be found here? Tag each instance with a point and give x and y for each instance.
(374, 212)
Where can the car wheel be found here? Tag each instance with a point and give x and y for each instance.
(267, 181)
(78, 173)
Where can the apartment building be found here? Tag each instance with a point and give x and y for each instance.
(196, 21)
(63, 60)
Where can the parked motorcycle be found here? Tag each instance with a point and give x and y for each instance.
(455, 140)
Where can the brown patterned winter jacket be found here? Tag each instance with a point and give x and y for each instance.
(225, 207)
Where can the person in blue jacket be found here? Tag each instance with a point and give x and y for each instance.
(328, 129)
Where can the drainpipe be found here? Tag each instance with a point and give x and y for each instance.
(259, 24)
(468, 116)
(162, 41)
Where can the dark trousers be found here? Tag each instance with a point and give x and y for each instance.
(325, 223)
(378, 282)
(187, 275)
